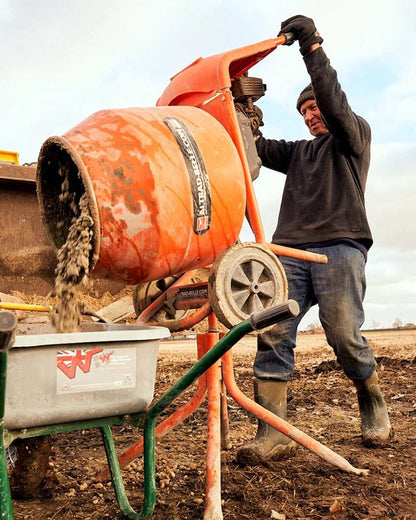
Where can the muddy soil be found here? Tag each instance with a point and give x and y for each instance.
(321, 402)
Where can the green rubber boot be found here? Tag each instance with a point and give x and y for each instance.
(268, 443)
(375, 423)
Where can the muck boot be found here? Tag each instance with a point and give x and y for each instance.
(375, 423)
(268, 443)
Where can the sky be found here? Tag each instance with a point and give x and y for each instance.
(64, 60)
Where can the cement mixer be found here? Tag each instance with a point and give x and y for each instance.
(165, 188)
(168, 188)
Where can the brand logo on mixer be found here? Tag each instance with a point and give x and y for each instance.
(202, 223)
(68, 361)
(198, 177)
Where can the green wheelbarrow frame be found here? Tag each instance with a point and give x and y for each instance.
(146, 420)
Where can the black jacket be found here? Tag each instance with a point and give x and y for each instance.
(323, 197)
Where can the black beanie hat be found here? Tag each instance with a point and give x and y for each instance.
(305, 95)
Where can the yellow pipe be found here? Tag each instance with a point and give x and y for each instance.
(26, 307)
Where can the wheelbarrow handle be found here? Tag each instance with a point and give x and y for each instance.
(260, 320)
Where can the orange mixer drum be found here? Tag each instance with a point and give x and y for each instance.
(165, 187)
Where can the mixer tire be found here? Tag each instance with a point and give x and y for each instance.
(245, 278)
(143, 295)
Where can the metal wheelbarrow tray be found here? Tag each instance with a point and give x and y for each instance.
(103, 371)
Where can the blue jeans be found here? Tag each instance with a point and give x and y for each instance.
(338, 288)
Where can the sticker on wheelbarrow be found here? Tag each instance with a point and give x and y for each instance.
(90, 370)
(201, 193)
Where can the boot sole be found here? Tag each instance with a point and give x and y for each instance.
(378, 441)
(251, 457)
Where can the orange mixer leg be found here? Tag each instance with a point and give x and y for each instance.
(213, 510)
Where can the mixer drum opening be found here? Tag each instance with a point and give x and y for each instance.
(61, 182)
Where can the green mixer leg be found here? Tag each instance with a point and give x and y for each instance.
(116, 478)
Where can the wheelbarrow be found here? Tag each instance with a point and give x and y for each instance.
(60, 401)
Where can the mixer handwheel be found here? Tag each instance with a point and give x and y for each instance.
(244, 279)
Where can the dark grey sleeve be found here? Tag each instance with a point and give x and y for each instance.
(351, 130)
(274, 154)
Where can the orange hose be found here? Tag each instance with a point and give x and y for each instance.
(297, 253)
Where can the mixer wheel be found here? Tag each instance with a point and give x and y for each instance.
(146, 293)
(246, 278)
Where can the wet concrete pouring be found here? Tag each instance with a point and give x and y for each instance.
(73, 262)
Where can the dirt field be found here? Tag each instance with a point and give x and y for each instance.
(321, 402)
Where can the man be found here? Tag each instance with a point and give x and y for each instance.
(322, 211)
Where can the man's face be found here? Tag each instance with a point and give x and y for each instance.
(312, 117)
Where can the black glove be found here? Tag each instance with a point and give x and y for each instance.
(303, 29)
